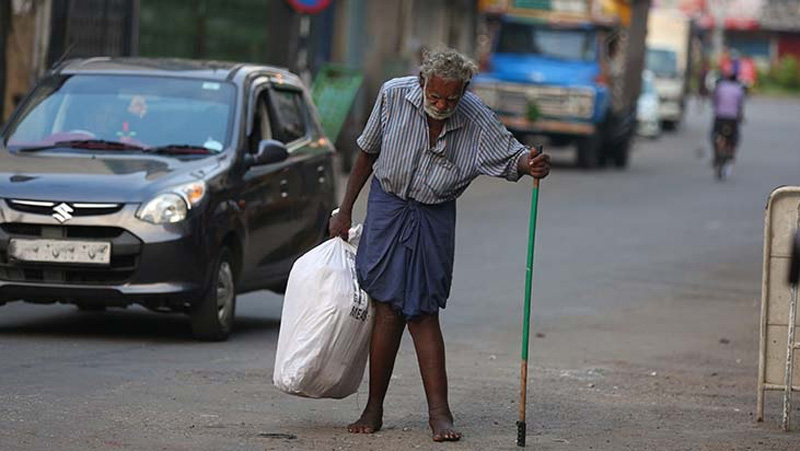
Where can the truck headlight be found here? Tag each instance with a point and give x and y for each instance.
(173, 206)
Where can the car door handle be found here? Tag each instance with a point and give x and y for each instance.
(321, 174)
(284, 189)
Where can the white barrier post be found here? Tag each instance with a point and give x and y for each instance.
(777, 367)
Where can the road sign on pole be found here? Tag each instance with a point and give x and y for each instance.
(309, 6)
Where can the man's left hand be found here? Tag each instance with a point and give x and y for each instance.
(538, 166)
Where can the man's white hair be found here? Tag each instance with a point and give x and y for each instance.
(448, 64)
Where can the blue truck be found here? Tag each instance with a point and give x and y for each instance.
(568, 78)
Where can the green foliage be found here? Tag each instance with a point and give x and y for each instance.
(213, 29)
(787, 73)
(781, 79)
(533, 111)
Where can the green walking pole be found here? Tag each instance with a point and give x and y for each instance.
(526, 319)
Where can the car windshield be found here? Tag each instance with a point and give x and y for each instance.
(663, 63)
(571, 44)
(142, 111)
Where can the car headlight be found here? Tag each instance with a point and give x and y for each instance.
(173, 206)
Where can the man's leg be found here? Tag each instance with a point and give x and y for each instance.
(384, 343)
(429, 344)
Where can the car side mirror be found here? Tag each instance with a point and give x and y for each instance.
(270, 151)
(794, 267)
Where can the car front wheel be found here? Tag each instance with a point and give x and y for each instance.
(213, 313)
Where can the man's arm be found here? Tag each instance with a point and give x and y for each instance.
(370, 144)
(501, 155)
(340, 223)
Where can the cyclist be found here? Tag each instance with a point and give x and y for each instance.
(728, 102)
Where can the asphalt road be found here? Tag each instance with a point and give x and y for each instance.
(646, 304)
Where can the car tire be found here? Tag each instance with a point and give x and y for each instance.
(669, 126)
(280, 287)
(212, 314)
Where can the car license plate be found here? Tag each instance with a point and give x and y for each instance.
(60, 251)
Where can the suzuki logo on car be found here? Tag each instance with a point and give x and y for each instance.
(62, 213)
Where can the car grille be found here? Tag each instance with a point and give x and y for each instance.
(125, 252)
(78, 208)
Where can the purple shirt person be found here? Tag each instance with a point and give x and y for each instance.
(729, 100)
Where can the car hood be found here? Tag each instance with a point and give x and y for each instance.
(538, 69)
(93, 177)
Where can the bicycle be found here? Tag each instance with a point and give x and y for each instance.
(724, 150)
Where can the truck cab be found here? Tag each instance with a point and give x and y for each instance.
(554, 80)
(669, 84)
(667, 58)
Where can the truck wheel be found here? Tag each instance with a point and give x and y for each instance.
(620, 155)
(212, 314)
(589, 149)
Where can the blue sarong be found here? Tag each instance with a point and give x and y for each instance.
(405, 256)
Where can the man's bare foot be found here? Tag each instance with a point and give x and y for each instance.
(370, 421)
(443, 429)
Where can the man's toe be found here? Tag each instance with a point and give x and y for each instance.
(452, 435)
(361, 429)
(447, 436)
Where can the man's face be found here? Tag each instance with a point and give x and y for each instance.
(441, 96)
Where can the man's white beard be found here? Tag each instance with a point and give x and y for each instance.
(436, 114)
(433, 112)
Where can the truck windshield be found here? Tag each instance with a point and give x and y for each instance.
(662, 62)
(569, 44)
(143, 111)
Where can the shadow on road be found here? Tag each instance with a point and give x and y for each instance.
(125, 325)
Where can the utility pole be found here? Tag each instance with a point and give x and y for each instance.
(132, 28)
(200, 10)
(303, 49)
(5, 30)
(718, 8)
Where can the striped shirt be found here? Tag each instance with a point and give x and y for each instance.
(473, 142)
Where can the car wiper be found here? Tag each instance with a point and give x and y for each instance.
(179, 149)
(88, 144)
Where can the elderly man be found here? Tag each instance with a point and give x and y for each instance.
(426, 140)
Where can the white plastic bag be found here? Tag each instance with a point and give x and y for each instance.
(326, 324)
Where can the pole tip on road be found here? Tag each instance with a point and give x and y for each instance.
(521, 433)
(794, 269)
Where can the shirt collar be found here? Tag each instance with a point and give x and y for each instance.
(452, 123)
(415, 96)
